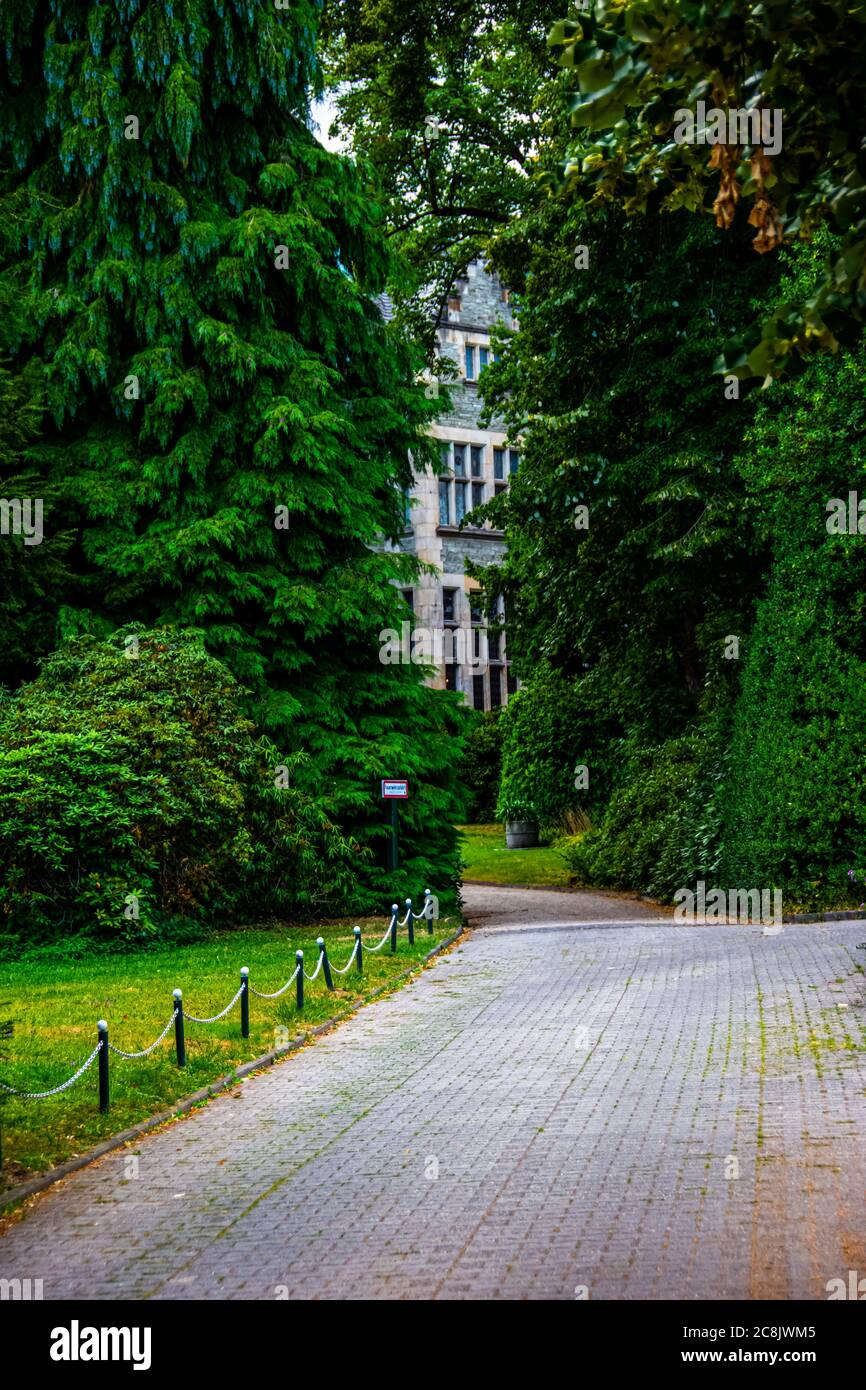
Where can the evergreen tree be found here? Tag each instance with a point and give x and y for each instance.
(227, 416)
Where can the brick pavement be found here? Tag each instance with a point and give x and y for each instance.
(640, 1111)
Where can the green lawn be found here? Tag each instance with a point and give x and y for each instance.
(488, 860)
(56, 1007)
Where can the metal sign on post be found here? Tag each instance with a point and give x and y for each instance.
(394, 789)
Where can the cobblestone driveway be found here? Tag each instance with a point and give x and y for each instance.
(643, 1111)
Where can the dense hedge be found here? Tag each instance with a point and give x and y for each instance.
(795, 796)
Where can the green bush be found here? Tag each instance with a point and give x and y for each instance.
(134, 796)
(548, 728)
(660, 829)
(481, 767)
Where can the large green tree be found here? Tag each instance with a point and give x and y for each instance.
(226, 415)
(448, 102)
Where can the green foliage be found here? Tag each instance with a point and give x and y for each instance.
(638, 64)
(634, 606)
(546, 731)
(134, 795)
(481, 766)
(794, 804)
(447, 103)
(198, 382)
(29, 573)
(659, 831)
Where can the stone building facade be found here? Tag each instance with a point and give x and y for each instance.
(467, 644)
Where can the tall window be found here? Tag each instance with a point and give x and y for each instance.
(513, 460)
(460, 460)
(475, 613)
(444, 503)
(499, 463)
(477, 459)
(470, 363)
(495, 686)
(409, 597)
(494, 640)
(452, 677)
(449, 605)
(483, 358)
(477, 494)
(478, 692)
(445, 452)
(460, 499)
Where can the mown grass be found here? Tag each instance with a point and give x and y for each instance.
(55, 1008)
(488, 860)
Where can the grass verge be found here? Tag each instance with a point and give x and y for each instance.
(55, 1008)
(488, 860)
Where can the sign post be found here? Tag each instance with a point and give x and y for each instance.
(394, 789)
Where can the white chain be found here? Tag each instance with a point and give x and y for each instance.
(317, 969)
(192, 1018)
(344, 968)
(382, 942)
(277, 992)
(153, 1045)
(41, 1095)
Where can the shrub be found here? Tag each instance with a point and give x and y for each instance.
(548, 727)
(481, 766)
(659, 831)
(134, 794)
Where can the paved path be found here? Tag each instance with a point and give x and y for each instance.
(640, 1111)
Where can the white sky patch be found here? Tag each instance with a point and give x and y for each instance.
(322, 116)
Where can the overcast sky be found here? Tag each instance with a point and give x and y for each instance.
(322, 113)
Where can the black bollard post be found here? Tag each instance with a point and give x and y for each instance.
(102, 1034)
(394, 910)
(245, 1001)
(409, 922)
(326, 964)
(360, 956)
(179, 1041)
(299, 983)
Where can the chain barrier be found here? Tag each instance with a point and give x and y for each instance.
(344, 968)
(191, 1018)
(317, 969)
(147, 1051)
(277, 992)
(386, 937)
(103, 1047)
(64, 1085)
